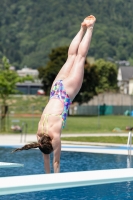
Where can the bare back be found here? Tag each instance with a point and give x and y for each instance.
(52, 125)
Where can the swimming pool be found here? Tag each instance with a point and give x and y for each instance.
(70, 161)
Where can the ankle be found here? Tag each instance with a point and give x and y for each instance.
(90, 27)
(83, 27)
(89, 21)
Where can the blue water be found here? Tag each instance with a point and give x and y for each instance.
(99, 147)
(70, 161)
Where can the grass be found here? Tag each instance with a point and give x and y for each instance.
(110, 139)
(26, 104)
(88, 124)
(75, 124)
(95, 124)
(34, 105)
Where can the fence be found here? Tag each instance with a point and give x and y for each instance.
(104, 104)
(101, 110)
(21, 119)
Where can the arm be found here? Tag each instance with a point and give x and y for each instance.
(56, 143)
(47, 163)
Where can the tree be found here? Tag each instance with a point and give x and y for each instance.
(90, 82)
(57, 58)
(28, 29)
(98, 77)
(8, 80)
(107, 73)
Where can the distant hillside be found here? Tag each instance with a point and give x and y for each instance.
(29, 29)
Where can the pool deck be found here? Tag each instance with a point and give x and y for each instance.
(106, 148)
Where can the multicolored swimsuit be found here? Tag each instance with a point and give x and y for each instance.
(58, 92)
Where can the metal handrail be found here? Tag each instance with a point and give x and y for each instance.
(129, 148)
(24, 131)
(129, 142)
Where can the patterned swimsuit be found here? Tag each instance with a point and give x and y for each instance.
(58, 92)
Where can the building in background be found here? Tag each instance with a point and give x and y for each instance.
(124, 78)
(28, 71)
(29, 87)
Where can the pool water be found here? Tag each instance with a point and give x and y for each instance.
(70, 162)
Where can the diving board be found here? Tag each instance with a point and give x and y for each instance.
(32, 183)
(5, 165)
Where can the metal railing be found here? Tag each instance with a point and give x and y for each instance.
(129, 148)
(23, 132)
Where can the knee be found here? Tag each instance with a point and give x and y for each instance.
(56, 163)
(56, 166)
(80, 57)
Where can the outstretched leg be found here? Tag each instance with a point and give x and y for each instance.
(72, 52)
(74, 81)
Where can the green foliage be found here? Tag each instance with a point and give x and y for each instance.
(90, 81)
(107, 72)
(30, 29)
(57, 58)
(98, 77)
(8, 80)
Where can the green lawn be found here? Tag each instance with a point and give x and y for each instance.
(27, 104)
(110, 139)
(34, 105)
(102, 124)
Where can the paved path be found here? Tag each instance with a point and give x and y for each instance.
(90, 147)
(13, 139)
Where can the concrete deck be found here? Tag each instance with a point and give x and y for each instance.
(106, 148)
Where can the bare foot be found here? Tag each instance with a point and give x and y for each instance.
(89, 21)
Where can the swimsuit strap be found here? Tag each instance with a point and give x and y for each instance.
(45, 121)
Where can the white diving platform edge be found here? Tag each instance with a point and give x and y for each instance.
(32, 183)
(8, 165)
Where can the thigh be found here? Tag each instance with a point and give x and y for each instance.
(73, 83)
(66, 68)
